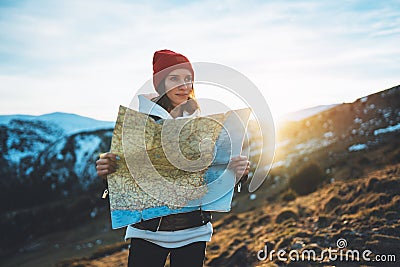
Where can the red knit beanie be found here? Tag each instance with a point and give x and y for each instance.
(165, 61)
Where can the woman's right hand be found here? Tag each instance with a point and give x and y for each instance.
(107, 164)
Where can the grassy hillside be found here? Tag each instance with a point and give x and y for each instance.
(362, 212)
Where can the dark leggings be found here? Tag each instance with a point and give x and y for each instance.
(143, 253)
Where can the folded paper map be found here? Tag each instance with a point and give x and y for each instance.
(173, 166)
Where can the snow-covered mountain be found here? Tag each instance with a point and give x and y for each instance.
(305, 113)
(52, 153)
(24, 136)
(46, 175)
(68, 165)
(70, 123)
(370, 123)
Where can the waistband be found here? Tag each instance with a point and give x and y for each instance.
(175, 222)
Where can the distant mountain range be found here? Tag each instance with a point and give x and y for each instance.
(72, 123)
(38, 147)
(51, 158)
(26, 136)
(305, 113)
(47, 156)
(68, 122)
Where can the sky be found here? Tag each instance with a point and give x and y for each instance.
(89, 57)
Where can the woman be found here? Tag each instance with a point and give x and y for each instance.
(184, 235)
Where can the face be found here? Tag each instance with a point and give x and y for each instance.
(178, 85)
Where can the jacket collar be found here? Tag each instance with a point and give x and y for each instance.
(149, 107)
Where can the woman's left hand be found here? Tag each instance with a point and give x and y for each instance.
(240, 165)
